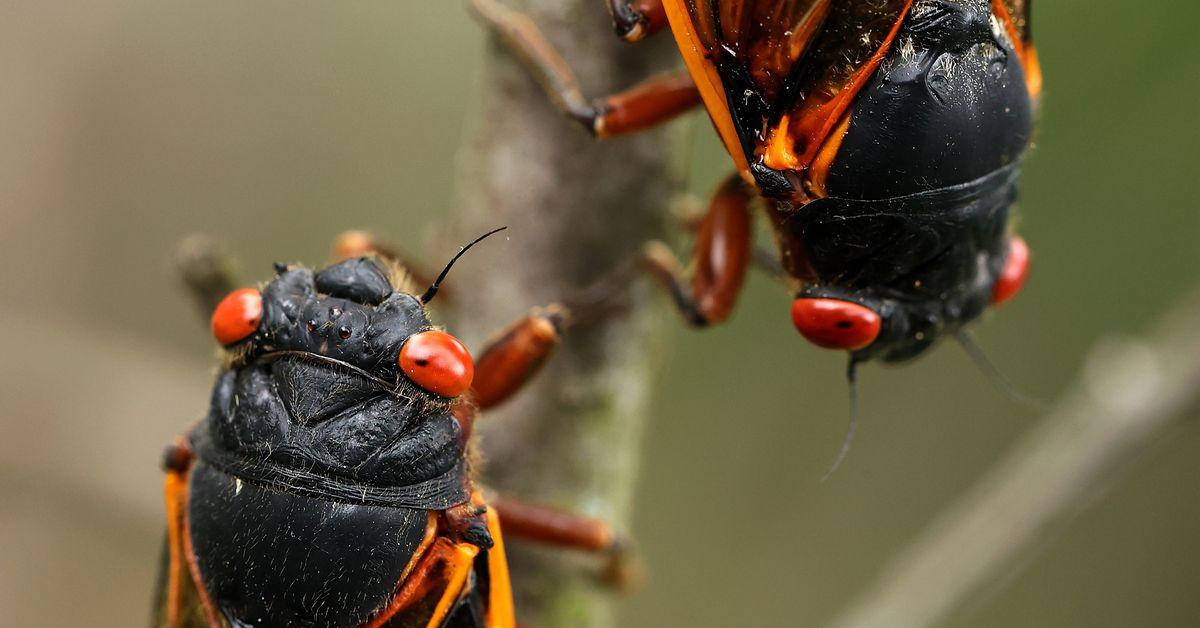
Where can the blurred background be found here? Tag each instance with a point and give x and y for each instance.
(273, 125)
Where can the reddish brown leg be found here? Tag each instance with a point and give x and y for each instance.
(514, 355)
(634, 20)
(644, 106)
(509, 360)
(540, 524)
(654, 101)
(357, 243)
(723, 250)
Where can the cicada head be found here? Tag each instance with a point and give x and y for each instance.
(900, 314)
(338, 373)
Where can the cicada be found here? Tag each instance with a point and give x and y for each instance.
(330, 483)
(884, 137)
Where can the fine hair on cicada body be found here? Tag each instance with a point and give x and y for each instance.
(330, 481)
(898, 230)
(316, 401)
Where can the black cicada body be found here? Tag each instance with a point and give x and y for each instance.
(324, 485)
(887, 138)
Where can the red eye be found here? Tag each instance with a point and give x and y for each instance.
(1014, 274)
(237, 316)
(437, 362)
(836, 324)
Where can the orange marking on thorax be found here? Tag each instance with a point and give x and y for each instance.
(779, 152)
(819, 172)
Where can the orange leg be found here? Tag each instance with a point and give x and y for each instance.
(549, 526)
(634, 20)
(509, 361)
(722, 254)
(654, 101)
(553, 527)
(514, 355)
(644, 106)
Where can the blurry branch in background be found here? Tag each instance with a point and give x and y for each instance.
(576, 210)
(207, 271)
(1131, 392)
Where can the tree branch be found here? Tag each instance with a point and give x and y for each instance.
(1131, 393)
(576, 210)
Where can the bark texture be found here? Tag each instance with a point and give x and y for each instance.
(576, 210)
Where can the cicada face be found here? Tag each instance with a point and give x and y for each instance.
(335, 374)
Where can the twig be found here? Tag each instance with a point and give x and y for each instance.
(206, 269)
(576, 210)
(1130, 393)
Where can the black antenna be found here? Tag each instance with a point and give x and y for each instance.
(852, 381)
(993, 374)
(437, 283)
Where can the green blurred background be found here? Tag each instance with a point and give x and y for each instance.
(125, 124)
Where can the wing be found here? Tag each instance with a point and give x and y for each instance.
(1016, 13)
(1016, 17)
(763, 64)
(178, 601)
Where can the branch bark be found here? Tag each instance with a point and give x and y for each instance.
(1130, 394)
(576, 209)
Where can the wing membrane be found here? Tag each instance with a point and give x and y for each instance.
(1018, 11)
(1015, 18)
(772, 63)
(767, 37)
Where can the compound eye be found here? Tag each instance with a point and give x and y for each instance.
(237, 316)
(1014, 274)
(836, 324)
(437, 362)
